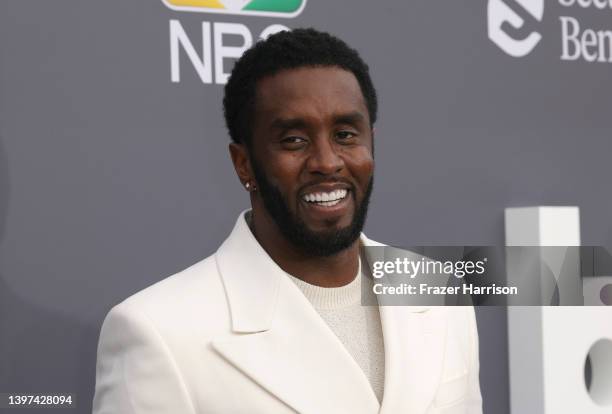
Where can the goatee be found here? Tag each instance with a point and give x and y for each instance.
(321, 244)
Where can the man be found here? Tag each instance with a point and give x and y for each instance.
(272, 322)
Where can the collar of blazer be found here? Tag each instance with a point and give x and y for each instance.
(281, 342)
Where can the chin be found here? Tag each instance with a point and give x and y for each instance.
(330, 227)
(331, 232)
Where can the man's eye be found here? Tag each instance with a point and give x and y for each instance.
(293, 141)
(345, 135)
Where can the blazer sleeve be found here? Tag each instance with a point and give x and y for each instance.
(474, 400)
(135, 371)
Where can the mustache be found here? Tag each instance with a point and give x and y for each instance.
(329, 181)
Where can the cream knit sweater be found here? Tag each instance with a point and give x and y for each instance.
(358, 327)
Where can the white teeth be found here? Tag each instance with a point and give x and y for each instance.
(330, 203)
(326, 199)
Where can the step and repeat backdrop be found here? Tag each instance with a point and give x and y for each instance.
(114, 163)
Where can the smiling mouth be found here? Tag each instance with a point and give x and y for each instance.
(326, 199)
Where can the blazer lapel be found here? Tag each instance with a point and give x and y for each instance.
(285, 346)
(415, 340)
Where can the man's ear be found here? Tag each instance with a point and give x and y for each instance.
(373, 133)
(242, 165)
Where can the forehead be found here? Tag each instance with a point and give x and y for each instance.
(308, 91)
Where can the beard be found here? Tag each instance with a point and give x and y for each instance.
(322, 243)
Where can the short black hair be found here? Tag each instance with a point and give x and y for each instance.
(287, 50)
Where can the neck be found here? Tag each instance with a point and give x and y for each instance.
(329, 271)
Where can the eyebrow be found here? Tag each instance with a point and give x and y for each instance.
(288, 123)
(350, 118)
(285, 124)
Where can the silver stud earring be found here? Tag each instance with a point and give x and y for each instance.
(248, 185)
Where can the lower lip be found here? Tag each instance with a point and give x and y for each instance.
(328, 212)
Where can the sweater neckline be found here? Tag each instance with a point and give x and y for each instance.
(334, 297)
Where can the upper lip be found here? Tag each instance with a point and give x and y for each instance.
(325, 188)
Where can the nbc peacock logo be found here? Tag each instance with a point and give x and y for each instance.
(268, 8)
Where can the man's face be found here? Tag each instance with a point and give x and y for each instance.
(311, 154)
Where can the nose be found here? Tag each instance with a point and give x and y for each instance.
(324, 158)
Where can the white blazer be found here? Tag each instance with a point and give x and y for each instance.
(233, 335)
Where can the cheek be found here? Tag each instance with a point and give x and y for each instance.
(284, 171)
(361, 164)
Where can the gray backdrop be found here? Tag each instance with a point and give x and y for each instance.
(112, 177)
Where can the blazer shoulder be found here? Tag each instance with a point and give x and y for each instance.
(188, 297)
(185, 283)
